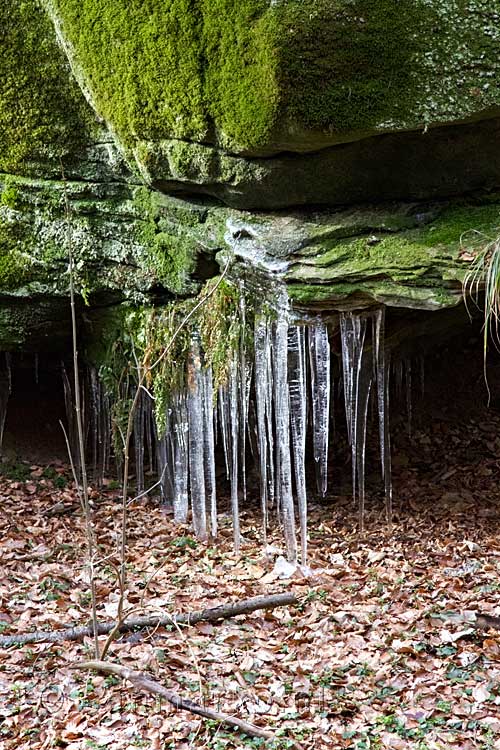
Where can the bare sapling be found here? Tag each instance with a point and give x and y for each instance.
(80, 476)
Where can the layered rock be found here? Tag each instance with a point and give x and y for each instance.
(152, 137)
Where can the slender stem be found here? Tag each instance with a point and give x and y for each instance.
(78, 411)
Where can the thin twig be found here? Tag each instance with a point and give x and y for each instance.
(78, 411)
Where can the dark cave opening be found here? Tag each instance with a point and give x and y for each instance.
(35, 408)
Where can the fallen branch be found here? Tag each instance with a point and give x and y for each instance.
(222, 612)
(143, 682)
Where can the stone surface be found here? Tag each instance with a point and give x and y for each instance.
(441, 163)
(128, 243)
(295, 75)
(256, 102)
(153, 138)
(411, 255)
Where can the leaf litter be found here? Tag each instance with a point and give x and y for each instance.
(381, 652)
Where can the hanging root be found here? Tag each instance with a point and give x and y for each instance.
(143, 682)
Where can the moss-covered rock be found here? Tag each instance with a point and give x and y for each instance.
(295, 74)
(415, 166)
(126, 241)
(413, 255)
(43, 115)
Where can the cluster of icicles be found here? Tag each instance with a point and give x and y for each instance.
(275, 397)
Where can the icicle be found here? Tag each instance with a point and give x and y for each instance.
(165, 459)
(261, 345)
(209, 447)
(298, 420)
(243, 391)
(139, 444)
(196, 440)
(357, 384)
(5, 391)
(223, 404)
(180, 450)
(319, 348)
(282, 408)
(234, 431)
(269, 399)
(162, 463)
(409, 409)
(381, 368)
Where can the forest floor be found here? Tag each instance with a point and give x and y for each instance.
(375, 656)
(378, 654)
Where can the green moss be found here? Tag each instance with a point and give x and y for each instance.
(14, 269)
(217, 325)
(160, 339)
(346, 65)
(10, 195)
(161, 70)
(419, 247)
(220, 327)
(15, 266)
(142, 63)
(241, 87)
(42, 112)
(168, 233)
(170, 255)
(422, 264)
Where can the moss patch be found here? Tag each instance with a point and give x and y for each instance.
(419, 266)
(15, 263)
(253, 69)
(43, 114)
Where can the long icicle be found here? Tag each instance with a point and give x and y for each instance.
(269, 417)
(298, 421)
(357, 384)
(234, 431)
(282, 408)
(139, 443)
(261, 344)
(223, 412)
(180, 438)
(319, 348)
(196, 440)
(242, 390)
(381, 367)
(209, 447)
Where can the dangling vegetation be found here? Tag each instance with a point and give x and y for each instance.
(137, 338)
(484, 276)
